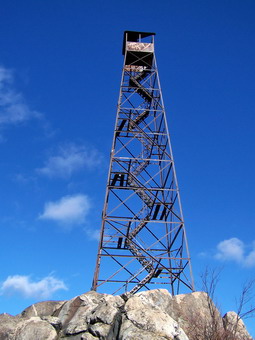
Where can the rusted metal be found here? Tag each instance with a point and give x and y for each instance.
(143, 242)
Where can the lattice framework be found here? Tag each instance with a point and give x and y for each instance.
(143, 241)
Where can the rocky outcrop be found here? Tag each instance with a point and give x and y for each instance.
(145, 317)
(150, 315)
(196, 314)
(8, 325)
(235, 325)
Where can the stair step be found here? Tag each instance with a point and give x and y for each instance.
(141, 193)
(140, 257)
(140, 89)
(138, 119)
(142, 282)
(140, 226)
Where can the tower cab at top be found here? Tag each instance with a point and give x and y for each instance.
(138, 49)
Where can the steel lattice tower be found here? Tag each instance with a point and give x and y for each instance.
(143, 241)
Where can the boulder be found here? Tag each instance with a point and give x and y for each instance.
(97, 310)
(235, 325)
(54, 321)
(129, 332)
(100, 330)
(35, 328)
(8, 324)
(196, 312)
(105, 309)
(42, 308)
(145, 311)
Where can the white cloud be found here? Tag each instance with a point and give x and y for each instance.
(233, 249)
(70, 158)
(20, 284)
(13, 107)
(250, 259)
(93, 234)
(67, 210)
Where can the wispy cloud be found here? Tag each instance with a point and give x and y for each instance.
(71, 158)
(234, 249)
(13, 107)
(93, 234)
(67, 210)
(21, 284)
(250, 258)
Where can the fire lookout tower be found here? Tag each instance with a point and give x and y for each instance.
(143, 242)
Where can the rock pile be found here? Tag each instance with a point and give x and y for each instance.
(150, 315)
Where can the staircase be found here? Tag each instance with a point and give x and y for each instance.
(145, 280)
(145, 94)
(136, 169)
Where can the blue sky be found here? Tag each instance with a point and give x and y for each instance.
(60, 69)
